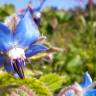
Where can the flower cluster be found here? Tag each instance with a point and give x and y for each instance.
(19, 43)
(83, 89)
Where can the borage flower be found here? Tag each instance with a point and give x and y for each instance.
(83, 89)
(17, 45)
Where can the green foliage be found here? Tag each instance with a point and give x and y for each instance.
(6, 10)
(75, 31)
(53, 81)
(45, 86)
(37, 86)
(74, 64)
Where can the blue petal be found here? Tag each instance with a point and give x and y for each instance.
(34, 49)
(2, 60)
(5, 38)
(90, 93)
(86, 80)
(8, 66)
(26, 31)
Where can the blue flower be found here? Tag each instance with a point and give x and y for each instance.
(87, 85)
(83, 89)
(17, 45)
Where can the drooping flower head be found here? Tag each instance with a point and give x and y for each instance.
(18, 44)
(83, 89)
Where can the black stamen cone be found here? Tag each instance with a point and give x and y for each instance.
(18, 68)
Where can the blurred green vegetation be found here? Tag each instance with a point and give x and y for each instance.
(6, 10)
(73, 30)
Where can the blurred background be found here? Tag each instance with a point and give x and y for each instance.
(68, 25)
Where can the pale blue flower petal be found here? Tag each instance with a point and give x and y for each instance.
(86, 80)
(26, 31)
(34, 49)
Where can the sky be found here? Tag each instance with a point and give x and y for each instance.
(60, 4)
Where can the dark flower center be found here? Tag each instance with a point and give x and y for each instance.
(18, 67)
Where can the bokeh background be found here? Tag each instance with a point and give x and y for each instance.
(68, 25)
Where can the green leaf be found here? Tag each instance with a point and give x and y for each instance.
(52, 81)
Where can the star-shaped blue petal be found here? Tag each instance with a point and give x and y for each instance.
(86, 80)
(26, 31)
(34, 49)
(86, 83)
